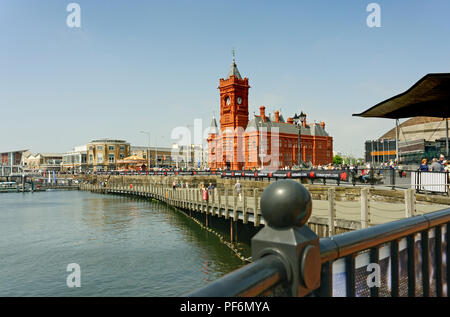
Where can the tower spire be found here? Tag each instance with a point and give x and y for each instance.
(234, 70)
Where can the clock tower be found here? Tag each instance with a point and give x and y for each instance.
(233, 100)
(233, 117)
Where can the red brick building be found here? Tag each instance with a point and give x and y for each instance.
(264, 141)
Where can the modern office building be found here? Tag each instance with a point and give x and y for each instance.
(380, 151)
(12, 161)
(419, 137)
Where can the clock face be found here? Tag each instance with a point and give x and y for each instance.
(228, 101)
(239, 100)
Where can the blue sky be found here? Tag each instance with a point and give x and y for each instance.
(155, 65)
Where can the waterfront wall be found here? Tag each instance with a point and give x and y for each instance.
(224, 202)
(318, 192)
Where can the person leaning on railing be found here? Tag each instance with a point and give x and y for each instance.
(446, 166)
(436, 166)
(424, 166)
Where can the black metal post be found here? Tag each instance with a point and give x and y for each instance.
(411, 266)
(300, 159)
(286, 206)
(392, 177)
(286, 253)
(372, 176)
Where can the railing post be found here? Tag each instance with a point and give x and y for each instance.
(410, 205)
(219, 210)
(214, 195)
(244, 208)
(331, 211)
(235, 212)
(256, 215)
(208, 203)
(286, 206)
(227, 212)
(364, 207)
(199, 198)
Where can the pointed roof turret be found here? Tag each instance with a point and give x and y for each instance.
(213, 129)
(234, 70)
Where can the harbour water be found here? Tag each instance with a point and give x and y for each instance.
(124, 246)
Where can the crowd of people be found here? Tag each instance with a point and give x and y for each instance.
(437, 165)
(207, 190)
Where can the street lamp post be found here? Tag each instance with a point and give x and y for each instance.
(262, 156)
(188, 151)
(156, 142)
(299, 120)
(148, 151)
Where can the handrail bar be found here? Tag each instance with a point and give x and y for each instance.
(248, 281)
(344, 244)
(260, 276)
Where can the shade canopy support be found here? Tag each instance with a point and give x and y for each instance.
(446, 138)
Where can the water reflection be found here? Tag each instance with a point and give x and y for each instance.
(125, 246)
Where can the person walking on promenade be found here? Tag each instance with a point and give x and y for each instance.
(238, 188)
(210, 188)
(204, 193)
(400, 169)
(424, 166)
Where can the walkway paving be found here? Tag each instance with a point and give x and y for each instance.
(379, 212)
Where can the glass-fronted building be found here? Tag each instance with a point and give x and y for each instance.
(380, 151)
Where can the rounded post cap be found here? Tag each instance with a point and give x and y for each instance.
(286, 204)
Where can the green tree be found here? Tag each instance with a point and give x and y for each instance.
(337, 160)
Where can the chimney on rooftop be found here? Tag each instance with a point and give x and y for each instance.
(277, 116)
(262, 113)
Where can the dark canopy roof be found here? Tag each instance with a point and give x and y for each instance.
(429, 97)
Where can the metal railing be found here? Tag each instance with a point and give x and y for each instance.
(401, 178)
(430, 181)
(412, 247)
(407, 257)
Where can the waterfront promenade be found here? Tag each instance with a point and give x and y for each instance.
(335, 209)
